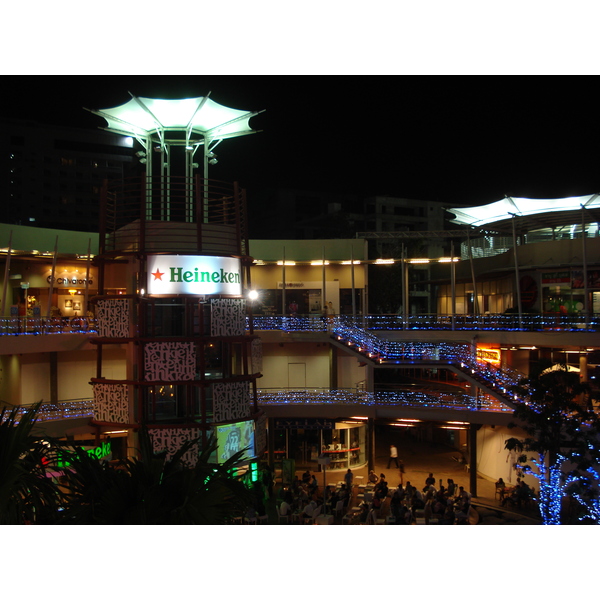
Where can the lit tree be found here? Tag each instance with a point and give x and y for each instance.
(562, 439)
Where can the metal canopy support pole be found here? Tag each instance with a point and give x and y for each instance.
(353, 285)
(87, 278)
(324, 284)
(51, 288)
(475, 295)
(586, 306)
(6, 272)
(453, 284)
(405, 292)
(149, 153)
(517, 286)
(283, 286)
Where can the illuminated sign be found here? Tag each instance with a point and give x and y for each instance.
(102, 452)
(194, 275)
(490, 355)
(70, 281)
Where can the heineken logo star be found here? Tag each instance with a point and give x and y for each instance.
(158, 275)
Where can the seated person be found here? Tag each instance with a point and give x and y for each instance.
(306, 477)
(309, 509)
(451, 488)
(373, 477)
(285, 509)
(399, 493)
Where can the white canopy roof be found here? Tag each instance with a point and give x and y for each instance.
(145, 117)
(488, 214)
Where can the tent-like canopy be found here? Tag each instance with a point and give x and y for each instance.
(150, 117)
(532, 213)
(191, 123)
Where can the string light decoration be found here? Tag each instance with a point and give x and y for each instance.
(74, 409)
(440, 322)
(399, 398)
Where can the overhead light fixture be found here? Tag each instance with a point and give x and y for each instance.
(384, 261)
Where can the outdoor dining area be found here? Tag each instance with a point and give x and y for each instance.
(352, 501)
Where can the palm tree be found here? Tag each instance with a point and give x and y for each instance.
(27, 493)
(153, 490)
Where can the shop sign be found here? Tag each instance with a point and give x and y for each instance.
(101, 452)
(194, 275)
(304, 424)
(71, 281)
(556, 277)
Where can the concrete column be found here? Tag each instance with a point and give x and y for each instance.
(371, 444)
(333, 367)
(583, 368)
(53, 377)
(473, 459)
(271, 441)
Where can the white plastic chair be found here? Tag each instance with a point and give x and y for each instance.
(311, 520)
(282, 518)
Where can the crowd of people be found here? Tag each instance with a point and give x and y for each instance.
(434, 502)
(405, 504)
(442, 504)
(517, 496)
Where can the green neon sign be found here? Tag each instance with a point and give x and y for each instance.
(99, 452)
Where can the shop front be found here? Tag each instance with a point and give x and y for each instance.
(303, 440)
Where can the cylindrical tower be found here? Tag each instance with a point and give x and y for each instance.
(177, 245)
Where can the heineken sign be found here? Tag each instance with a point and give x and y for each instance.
(194, 275)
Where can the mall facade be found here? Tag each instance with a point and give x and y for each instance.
(172, 318)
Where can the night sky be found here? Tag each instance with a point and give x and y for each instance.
(455, 139)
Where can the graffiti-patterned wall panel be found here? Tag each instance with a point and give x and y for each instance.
(171, 439)
(257, 356)
(111, 403)
(113, 317)
(169, 361)
(231, 401)
(260, 436)
(228, 316)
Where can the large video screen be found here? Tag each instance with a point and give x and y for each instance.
(232, 438)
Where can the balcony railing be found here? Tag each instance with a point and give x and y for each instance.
(383, 399)
(68, 409)
(435, 322)
(42, 326)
